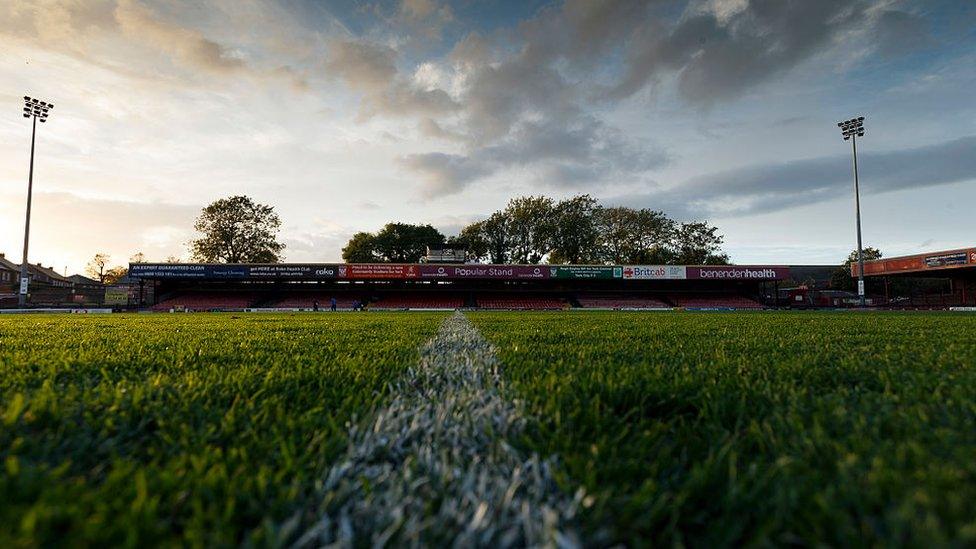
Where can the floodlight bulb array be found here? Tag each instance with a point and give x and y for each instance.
(852, 128)
(37, 108)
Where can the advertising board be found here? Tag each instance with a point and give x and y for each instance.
(735, 272)
(484, 271)
(586, 272)
(116, 296)
(170, 270)
(654, 272)
(377, 270)
(294, 271)
(942, 260)
(196, 271)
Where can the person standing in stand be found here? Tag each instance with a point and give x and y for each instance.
(333, 304)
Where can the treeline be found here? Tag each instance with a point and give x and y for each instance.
(537, 229)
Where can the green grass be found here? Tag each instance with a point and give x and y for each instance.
(766, 429)
(685, 428)
(201, 430)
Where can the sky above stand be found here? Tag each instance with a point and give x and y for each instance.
(346, 115)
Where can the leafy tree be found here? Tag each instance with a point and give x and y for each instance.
(173, 259)
(697, 243)
(472, 240)
(96, 267)
(842, 279)
(529, 228)
(115, 274)
(405, 243)
(361, 248)
(138, 257)
(238, 230)
(394, 243)
(575, 234)
(495, 232)
(627, 235)
(652, 237)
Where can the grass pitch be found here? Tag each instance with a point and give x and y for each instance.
(768, 428)
(203, 430)
(697, 429)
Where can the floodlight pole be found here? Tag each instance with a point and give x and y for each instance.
(22, 295)
(857, 215)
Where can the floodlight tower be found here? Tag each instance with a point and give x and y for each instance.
(851, 130)
(38, 110)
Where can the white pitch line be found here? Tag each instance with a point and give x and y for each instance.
(434, 468)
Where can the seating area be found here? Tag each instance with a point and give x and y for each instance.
(621, 301)
(707, 301)
(307, 301)
(516, 302)
(418, 301)
(207, 301)
(236, 300)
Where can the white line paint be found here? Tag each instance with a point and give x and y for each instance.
(434, 468)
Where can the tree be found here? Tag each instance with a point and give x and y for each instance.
(627, 235)
(96, 267)
(842, 279)
(495, 232)
(406, 243)
(173, 259)
(394, 243)
(652, 237)
(238, 230)
(697, 243)
(472, 240)
(138, 257)
(529, 228)
(361, 248)
(575, 235)
(115, 274)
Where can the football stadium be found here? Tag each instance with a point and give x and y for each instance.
(559, 274)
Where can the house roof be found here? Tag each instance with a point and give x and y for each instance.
(81, 279)
(7, 264)
(48, 272)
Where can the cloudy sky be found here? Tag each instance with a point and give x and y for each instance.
(345, 115)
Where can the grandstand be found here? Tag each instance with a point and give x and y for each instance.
(955, 269)
(200, 287)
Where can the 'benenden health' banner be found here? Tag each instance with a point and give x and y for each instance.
(654, 272)
(484, 271)
(738, 273)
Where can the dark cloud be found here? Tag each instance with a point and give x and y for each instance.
(445, 173)
(720, 53)
(582, 151)
(766, 188)
(529, 93)
(371, 70)
(899, 32)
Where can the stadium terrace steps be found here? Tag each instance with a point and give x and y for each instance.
(207, 301)
(621, 301)
(517, 302)
(344, 302)
(422, 301)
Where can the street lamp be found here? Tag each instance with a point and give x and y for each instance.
(851, 130)
(38, 110)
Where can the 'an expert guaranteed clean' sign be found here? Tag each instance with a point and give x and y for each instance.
(655, 272)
